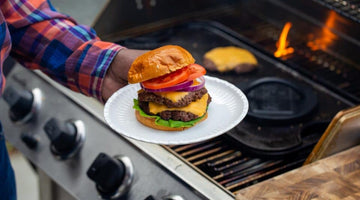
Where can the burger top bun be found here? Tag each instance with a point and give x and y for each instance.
(158, 62)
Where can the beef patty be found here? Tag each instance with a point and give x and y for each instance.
(146, 97)
(153, 97)
(239, 68)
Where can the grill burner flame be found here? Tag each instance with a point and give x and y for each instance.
(282, 43)
(327, 37)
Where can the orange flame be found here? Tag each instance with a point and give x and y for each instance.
(327, 37)
(282, 43)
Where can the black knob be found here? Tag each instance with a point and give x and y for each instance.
(20, 102)
(150, 197)
(29, 140)
(107, 173)
(64, 137)
(112, 176)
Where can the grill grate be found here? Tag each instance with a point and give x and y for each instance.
(347, 8)
(220, 160)
(327, 67)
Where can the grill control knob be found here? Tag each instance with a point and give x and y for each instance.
(150, 198)
(30, 141)
(173, 197)
(23, 103)
(112, 175)
(66, 137)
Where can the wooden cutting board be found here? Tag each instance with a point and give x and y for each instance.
(335, 177)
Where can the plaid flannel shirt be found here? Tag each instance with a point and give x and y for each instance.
(40, 38)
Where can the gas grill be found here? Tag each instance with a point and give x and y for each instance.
(308, 69)
(274, 138)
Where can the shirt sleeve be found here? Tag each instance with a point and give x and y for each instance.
(44, 39)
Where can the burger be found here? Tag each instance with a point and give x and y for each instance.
(230, 58)
(173, 96)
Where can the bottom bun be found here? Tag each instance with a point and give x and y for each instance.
(150, 122)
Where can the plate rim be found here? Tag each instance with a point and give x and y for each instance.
(179, 142)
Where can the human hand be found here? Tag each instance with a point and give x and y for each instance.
(116, 75)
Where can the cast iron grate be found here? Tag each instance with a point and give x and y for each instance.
(229, 167)
(327, 67)
(347, 8)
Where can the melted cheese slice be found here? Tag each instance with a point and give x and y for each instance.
(198, 107)
(226, 58)
(175, 96)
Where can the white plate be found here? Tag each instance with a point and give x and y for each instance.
(227, 108)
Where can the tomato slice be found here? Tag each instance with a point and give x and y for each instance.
(188, 73)
(167, 80)
(195, 71)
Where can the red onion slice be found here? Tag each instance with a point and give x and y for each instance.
(176, 87)
(191, 88)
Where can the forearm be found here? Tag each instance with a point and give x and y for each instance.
(75, 63)
(71, 54)
(116, 76)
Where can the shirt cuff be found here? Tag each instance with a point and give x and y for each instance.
(103, 54)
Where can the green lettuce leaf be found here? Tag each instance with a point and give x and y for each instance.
(168, 123)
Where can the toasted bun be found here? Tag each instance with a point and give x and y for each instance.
(158, 62)
(150, 122)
